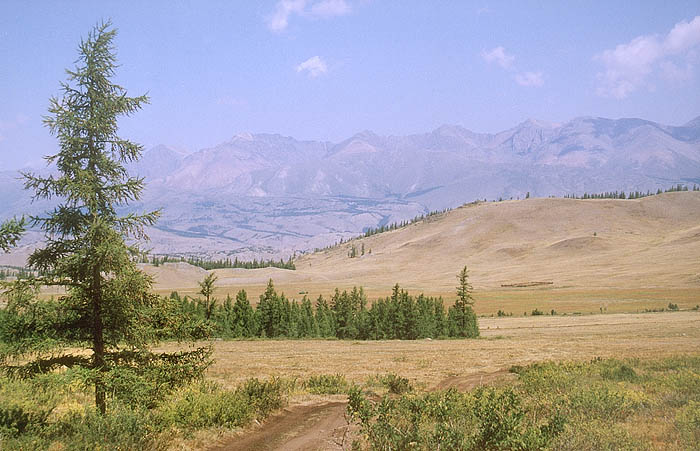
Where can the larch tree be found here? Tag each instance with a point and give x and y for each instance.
(108, 305)
(462, 313)
(206, 289)
(10, 233)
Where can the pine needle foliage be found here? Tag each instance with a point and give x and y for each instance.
(10, 233)
(108, 306)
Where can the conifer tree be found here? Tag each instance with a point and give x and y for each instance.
(265, 311)
(462, 315)
(324, 318)
(244, 316)
(307, 322)
(108, 304)
(206, 289)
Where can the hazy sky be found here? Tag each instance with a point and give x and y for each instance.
(326, 69)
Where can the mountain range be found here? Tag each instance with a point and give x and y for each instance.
(270, 195)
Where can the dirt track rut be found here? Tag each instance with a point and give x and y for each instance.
(316, 426)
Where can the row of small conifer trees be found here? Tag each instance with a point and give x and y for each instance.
(158, 260)
(346, 315)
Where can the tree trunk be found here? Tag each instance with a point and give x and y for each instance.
(98, 345)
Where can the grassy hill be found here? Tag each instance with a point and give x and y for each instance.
(583, 255)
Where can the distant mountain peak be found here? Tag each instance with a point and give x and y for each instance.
(243, 136)
(365, 134)
(536, 123)
(452, 130)
(163, 150)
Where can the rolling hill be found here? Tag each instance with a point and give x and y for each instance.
(605, 248)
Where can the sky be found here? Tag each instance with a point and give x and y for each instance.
(327, 69)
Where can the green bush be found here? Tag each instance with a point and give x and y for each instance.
(326, 384)
(25, 404)
(619, 373)
(264, 396)
(602, 402)
(485, 419)
(206, 405)
(122, 428)
(396, 384)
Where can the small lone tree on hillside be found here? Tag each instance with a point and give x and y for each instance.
(108, 306)
(461, 315)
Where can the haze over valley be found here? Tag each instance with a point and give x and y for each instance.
(270, 196)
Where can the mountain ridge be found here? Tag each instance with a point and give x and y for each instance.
(276, 195)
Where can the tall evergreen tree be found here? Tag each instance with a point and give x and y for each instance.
(270, 313)
(307, 322)
(324, 318)
(108, 302)
(461, 315)
(244, 316)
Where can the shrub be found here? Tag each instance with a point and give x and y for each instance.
(396, 384)
(205, 405)
(264, 396)
(122, 428)
(603, 403)
(326, 384)
(673, 307)
(485, 419)
(619, 372)
(537, 312)
(26, 404)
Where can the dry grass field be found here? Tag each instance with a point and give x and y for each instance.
(618, 255)
(429, 363)
(320, 422)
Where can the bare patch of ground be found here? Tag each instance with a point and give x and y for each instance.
(471, 381)
(310, 426)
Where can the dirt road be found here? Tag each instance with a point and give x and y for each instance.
(312, 426)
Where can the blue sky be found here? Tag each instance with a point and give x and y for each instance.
(326, 69)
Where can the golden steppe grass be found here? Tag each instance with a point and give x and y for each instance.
(430, 363)
(618, 255)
